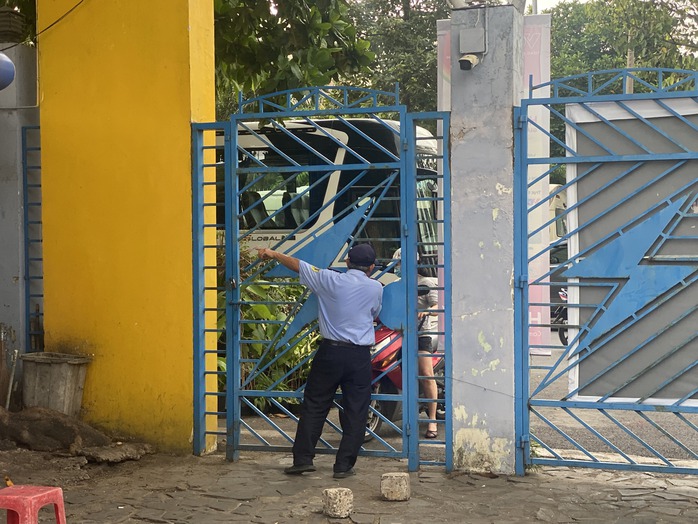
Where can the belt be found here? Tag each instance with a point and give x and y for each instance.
(338, 344)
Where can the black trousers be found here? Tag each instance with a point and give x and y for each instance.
(333, 366)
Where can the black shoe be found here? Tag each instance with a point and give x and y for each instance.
(344, 474)
(297, 469)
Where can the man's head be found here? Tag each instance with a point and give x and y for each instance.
(398, 265)
(361, 257)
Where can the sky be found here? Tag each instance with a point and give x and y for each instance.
(543, 4)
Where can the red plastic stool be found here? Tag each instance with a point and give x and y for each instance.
(24, 502)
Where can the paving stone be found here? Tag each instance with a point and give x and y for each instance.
(636, 492)
(681, 482)
(150, 515)
(687, 491)
(671, 496)
(639, 503)
(666, 510)
(360, 517)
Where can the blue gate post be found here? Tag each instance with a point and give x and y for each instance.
(521, 379)
(408, 195)
(204, 286)
(199, 342)
(232, 292)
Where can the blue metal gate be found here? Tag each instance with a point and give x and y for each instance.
(606, 269)
(310, 172)
(33, 240)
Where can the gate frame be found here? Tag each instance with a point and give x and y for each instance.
(264, 108)
(523, 457)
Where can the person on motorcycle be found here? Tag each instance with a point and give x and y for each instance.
(427, 299)
(348, 304)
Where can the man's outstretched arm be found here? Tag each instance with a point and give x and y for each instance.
(291, 263)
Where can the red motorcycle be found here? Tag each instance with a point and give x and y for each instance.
(560, 316)
(386, 366)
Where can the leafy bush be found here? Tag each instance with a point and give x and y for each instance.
(264, 313)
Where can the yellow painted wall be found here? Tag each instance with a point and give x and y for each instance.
(120, 83)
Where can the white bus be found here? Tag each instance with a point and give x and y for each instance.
(300, 197)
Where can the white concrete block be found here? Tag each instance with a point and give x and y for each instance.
(338, 502)
(395, 486)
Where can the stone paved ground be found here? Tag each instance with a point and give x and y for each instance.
(168, 489)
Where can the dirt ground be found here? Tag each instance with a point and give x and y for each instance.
(23, 466)
(44, 447)
(124, 482)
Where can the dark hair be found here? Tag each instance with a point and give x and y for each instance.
(426, 265)
(424, 271)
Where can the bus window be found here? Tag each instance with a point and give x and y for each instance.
(383, 228)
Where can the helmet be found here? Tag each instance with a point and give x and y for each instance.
(398, 255)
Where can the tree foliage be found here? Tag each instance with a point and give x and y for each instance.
(263, 46)
(597, 35)
(403, 36)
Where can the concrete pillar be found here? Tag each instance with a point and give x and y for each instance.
(482, 166)
(121, 83)
(17, 109)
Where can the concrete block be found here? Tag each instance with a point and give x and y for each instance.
(338, 502)
(395, 486)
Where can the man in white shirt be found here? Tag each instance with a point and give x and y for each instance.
(348, 304)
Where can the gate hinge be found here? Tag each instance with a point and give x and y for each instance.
(523, 441)
(405, 144)
(520, 121)
(521, 281)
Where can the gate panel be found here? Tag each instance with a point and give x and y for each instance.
(310, 176)
(33, 238)
(608, 259)
(429, 209)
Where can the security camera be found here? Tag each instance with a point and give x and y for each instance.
(467, 62)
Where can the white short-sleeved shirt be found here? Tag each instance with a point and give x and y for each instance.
(348, 303)
(428, 296)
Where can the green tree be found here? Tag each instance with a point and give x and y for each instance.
(597, 35)
(575, 45)
(263, 46)
(647, 33)
(403, 36)
(685, 31)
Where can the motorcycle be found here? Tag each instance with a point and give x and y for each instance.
(386, 368)
(560, 317)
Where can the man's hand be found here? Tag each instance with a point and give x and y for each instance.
(265, 253)
(291, 263)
